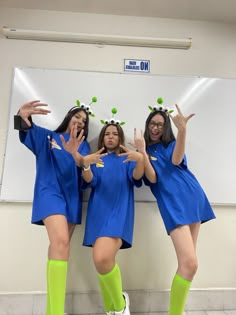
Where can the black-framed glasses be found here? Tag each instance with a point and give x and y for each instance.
(153, 124)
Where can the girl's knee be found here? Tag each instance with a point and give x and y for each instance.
(61, 245)
(103, 263)
(189, 267)
(192, 267)
(100, 259)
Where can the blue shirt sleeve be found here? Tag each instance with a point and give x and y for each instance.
(146, 181)
(34, 138)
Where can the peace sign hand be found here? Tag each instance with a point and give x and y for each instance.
(130, 154)
(94, 158)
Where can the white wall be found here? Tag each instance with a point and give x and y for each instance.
(150, 264)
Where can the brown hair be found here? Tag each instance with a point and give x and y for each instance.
(102, 134)
(64, 124)
(168, 135)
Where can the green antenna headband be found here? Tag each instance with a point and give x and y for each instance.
(87, 108)
(160, 108)
(112, 120)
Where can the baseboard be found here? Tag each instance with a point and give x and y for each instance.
(141, 301)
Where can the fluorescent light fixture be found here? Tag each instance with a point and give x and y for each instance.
(97, 39)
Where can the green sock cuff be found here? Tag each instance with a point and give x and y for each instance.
(180, 279)
(102, 276)
(57, 262)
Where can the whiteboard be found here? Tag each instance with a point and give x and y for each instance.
(210, 147)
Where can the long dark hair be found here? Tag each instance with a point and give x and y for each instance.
(64, 124)
(102, 134)
(168, 135)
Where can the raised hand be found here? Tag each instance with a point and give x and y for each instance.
(32, 108)
(179, 120)
(74, 142)
(130, 154)
(139, 142)
(94, 158)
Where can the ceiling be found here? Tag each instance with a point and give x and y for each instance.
(223, 11)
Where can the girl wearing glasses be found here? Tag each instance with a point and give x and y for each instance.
(182, 202)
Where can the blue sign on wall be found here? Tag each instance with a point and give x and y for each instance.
(136, 65)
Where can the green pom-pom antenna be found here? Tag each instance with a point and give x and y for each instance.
(78, 103)
(161, 108)
(112, 121)
(114, 110)
(94, 100)
(160, 100)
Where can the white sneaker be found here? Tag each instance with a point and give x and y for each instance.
(110, 313)
(126, 310)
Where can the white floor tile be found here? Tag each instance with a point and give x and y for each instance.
(196, 313)
(215, 313)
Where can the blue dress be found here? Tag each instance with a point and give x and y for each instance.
(179, 196)
(58, 179)
(111, 204)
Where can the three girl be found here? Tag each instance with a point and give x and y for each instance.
(111, 173)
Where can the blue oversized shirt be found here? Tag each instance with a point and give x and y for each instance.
(58, 179)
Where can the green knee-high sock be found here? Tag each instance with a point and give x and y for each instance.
(107, 300)
(57, 272)
(179, 291)
(113, 284)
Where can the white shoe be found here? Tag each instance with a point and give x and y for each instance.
(126, 310)
(110, 313)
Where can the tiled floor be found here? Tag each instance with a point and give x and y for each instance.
(231, 312)
(143, 303)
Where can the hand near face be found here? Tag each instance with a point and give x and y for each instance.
(139, 142)
(74, 142)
